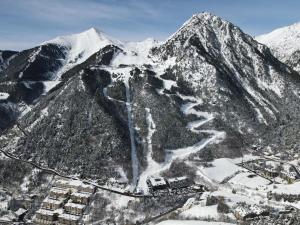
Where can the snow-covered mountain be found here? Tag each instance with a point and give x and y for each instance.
(5, 57)
(119, 113)
(285, 44)
(79, 47)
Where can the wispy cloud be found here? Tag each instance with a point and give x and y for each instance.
(72, 11)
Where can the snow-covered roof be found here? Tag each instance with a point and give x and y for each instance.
(81, 195)
(59, 191)
(242, 211)
(45, 212)
(292, 175)
(271, 170)
(75, 205)
(20, 211)
(157, 181)
(177, 179)
(256, 209)
(72, 184)
(68, 217)
(52, 201)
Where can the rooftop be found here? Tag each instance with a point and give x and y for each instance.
(59, 191)
(79, 194)
(52, 201)
(45, 212)
(69, 217)
(75, 205)
(177, 179)
(157, 181)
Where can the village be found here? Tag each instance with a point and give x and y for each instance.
(274, 170)
(68, 200)
(65, 204)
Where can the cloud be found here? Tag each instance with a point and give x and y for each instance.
(72, 11)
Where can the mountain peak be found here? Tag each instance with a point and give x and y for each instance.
(92, 36)
(82, 45)
(206, 18)
(209, 28)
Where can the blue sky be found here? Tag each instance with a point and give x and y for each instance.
(26, 23)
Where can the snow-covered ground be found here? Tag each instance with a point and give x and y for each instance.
(221, 169)
(286, 188)
(198, 212)
(191, 222)
(249, 180)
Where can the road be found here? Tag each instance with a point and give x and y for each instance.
(51, 171)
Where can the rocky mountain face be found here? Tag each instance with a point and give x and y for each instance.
(284, 43)
(5, 57)
(94, 107)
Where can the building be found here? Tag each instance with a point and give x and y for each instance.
(290, 177)
(198, 188)
(86, 188)
(67, 219)
(51, 204)
(57, 193)
(20, 213)
(43, 216)
(156, 183)
(179, 182)
(80, 198)
(61, 183)
(242, 213)
(259, 211)
(74, 185)
(74, 208)
(271, 173)
(246, 212)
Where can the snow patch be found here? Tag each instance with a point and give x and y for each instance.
(3, 96)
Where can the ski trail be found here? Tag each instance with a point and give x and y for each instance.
(134, 158)
(124, 74)
(188, 108)
(151, 164)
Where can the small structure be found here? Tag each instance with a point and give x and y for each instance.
(156, 183)
(86, 188)
(271, 173)
(74, 208)
(259, 211)
(179, 182)
(43, 216)
(20, 213)
(80, 198)
(67, 219)
(246, 212)
(74, 185)
(61, 183)
(198, 188)
(290, 177)
(57, 193)
(51, 204)
(242, 213)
